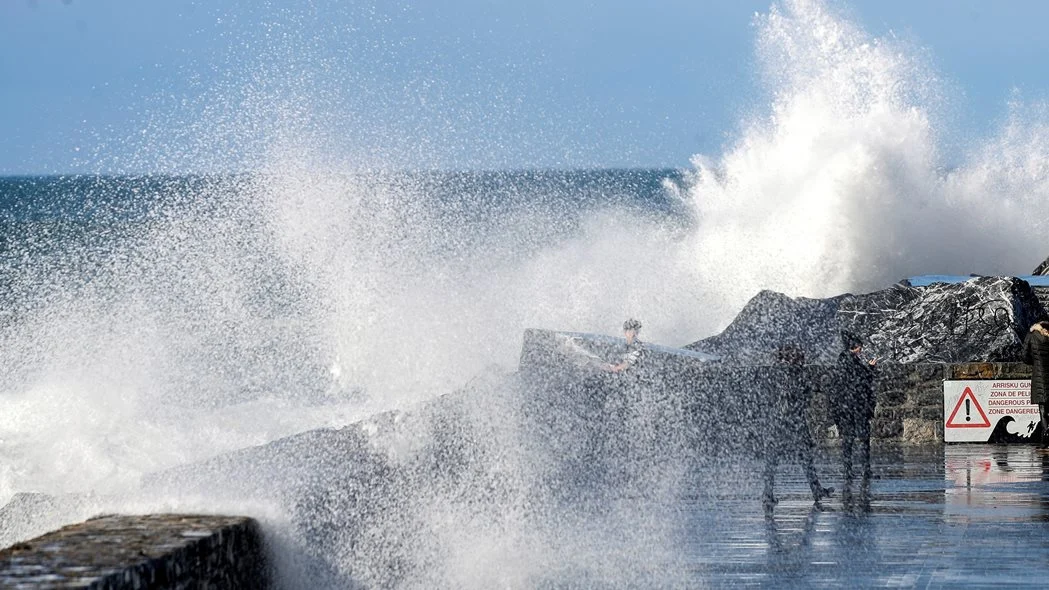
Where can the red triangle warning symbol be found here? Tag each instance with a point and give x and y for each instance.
(968, 419)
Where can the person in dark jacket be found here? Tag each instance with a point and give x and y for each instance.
(1036, 354)
(852, 403)
(786, 430)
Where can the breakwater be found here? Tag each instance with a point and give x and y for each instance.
(138, 552)
(581, 422)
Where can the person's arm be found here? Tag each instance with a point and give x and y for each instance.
(1026, 354)
(628, 361)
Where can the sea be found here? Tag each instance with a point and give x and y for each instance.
(151, 322)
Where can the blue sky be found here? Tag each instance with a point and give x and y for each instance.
(184, 85)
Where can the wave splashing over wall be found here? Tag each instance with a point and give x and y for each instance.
(842, 183)
(233, 312)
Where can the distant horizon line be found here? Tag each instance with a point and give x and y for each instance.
(533, 170)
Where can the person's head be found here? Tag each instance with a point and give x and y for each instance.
(630, 329)
(1042, 327)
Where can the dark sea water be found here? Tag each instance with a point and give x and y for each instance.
(59, 234)
(104, 198)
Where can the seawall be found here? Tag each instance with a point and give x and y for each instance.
(700, 403)
(910, 397)
(137, 552)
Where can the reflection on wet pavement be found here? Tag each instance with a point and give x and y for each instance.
(975, 515)
(939, 516)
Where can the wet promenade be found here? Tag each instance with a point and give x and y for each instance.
(939, 517)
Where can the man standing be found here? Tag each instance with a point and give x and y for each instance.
(635, 349)
(1036, 354)
(852, 412)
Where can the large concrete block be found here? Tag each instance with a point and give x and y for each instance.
(156, 551)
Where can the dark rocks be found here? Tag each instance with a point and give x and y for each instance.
(771, 320)
(1042, 269)
(982, 319)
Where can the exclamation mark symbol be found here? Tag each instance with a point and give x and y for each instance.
(967, 416)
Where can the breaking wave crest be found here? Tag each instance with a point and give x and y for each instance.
(842, 183)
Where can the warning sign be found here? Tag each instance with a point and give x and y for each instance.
(997, 411)
(972, 406)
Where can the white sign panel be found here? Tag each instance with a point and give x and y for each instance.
(997, 411)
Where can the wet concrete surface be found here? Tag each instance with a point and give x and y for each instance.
(942, 516)
(939, 516)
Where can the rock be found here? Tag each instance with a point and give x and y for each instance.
(981, 319)
(357, 496)
(771, 320)
(1041, 269)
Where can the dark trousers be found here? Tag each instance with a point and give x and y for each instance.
(848, 444)
(806, 455)
(855, 431)
(784, 437)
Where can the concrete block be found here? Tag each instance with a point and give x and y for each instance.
(137, 552)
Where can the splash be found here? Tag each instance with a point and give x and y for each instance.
(301, 295)
(843, 186)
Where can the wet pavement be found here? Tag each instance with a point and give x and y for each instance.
(940, 516)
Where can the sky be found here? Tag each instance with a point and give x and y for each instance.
(118, 86)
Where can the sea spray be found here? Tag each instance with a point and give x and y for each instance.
(840, 184)
(307, 295)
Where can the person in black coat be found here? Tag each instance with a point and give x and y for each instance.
(1036, 354)
(852, 403)
(786, 430)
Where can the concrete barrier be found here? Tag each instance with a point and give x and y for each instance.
(137, 552)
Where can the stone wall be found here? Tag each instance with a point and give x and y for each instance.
(910, 397)
(133, 552)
